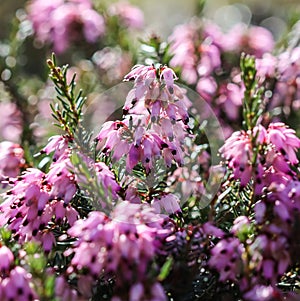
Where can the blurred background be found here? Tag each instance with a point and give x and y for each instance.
(273, 14)
(162, 16)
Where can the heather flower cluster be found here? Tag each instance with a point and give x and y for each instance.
(59, 21)
(260, 248)
(11, 160)
(37, 202)
(157, 123)
(15, 280)
(124, 245)
(268, 255)
(207, 58)
(129, 15)
(10, 122)
(278, 145)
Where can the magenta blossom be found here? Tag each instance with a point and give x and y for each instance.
(35, 198)
(63, 290)
(265, 293)
(10, 122)
(17, 286)
(255, 40)
(131, 16)
(285, 140)
(238, 152)
(280, 144)
(226, 258)
(57, 144)
(155, 90)
(11, 159)
(113, 62)
(139, 146)
(230, 99)
(169, 203)
(155, 120)
(61, 23)
(182, 44)
(61, 179)
(124, 245)
(105, 189)
(6, 260)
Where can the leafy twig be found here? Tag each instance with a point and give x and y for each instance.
(68, 111)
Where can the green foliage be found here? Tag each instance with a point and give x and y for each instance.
(200, 4)
(90, 184)
(166, 269)
(154, 51)
(68, 110)
(253, 95)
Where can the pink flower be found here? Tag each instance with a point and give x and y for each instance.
(210, 229)
(154, 90)
(289, 193)
(240, 224)
(189, 181)
(230, 99)
(212, 33)
(136, 292)
(260, 211)
(260, 40)
(75, 21)
(156, 293)
(182, 45)
(11, 159)
(28, 209)
(141, 72)
(207, 87)
(61, 179)
(168, 75)
(103, 178)
(124, 245)
(63, 290)
(270, 256)
(157, 104)
(6, 259)
(210, 60)
(285, 140)
(131, 16)
(169, 203)
(255, 40)
(263, 293)
(226, 258)
(107, 178)
(37, 11)
(10, 122)
(270, 248)
(237, 150)
(138, 146)
(61, 23)
(266, 66)
(114, 63)
(18, 285)
(57, 144)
